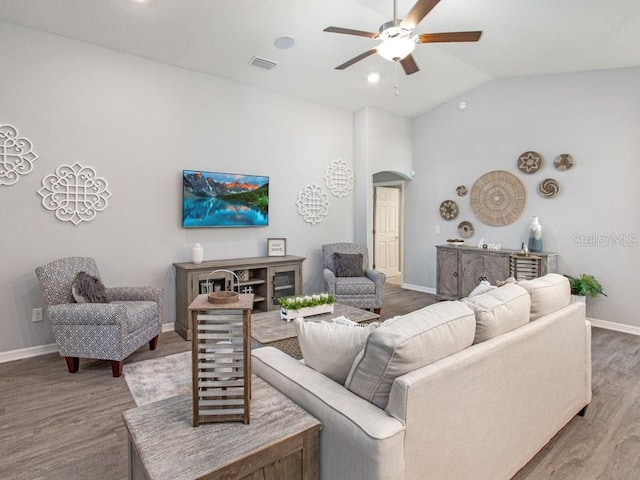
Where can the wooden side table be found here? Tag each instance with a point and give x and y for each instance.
(282, 441)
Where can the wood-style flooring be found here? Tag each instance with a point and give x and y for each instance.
(60, 426)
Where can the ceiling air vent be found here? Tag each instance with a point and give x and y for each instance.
(263, 63)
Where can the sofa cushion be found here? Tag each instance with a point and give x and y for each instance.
(355, 286)
(499, 311)
(331, 348)
(549, 294)
(407, 343)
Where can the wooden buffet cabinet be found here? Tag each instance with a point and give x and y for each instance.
(461, 268)
(268, 278)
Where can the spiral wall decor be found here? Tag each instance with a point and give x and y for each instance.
(498, 198)
(548, 188)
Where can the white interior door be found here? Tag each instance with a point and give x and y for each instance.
(387, 230)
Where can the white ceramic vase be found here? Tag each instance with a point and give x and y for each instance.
(197, 254)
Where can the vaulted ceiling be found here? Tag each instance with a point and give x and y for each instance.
(220, 37)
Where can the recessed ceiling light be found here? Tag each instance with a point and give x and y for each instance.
(462, 105)
(373, 77)
(284, 42)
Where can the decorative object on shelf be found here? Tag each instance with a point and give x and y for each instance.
(221, 360)
(276, 247)
(498, 198)
(529, 162)
(313, 204)
(339, 178)
(242, 275)
(523, 266)
(448, 209)
(248, 289)
(563, 162)
(455, 241)
(465, 229)
(584, 286)
(305, 306)
(16, 156)
(223, 296)
(197, 254)
(488, 246)
(75, 193)
(535, 236)
(548, 188)
(461, 190)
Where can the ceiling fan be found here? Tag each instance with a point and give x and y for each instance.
(398, 39)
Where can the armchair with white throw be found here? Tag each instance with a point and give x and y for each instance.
(348, 277)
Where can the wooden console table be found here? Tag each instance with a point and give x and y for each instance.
(282, 441)
(461, 268)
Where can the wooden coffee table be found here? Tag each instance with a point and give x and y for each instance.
(268, 329)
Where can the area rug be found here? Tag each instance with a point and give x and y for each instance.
(159, 378)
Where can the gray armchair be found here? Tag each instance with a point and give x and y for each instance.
(105, 331)
(361, 291)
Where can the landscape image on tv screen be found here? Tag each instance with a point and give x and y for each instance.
(211, 199)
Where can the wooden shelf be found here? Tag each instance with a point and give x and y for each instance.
(269, 277)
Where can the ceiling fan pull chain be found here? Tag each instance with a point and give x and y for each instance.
(395, 85)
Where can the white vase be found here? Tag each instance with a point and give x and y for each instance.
(578, 299)
(197, 254)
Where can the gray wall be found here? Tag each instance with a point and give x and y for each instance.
(139, 123)
(593, 224)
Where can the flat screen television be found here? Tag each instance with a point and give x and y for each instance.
(212, 199)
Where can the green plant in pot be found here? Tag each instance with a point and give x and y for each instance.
(585, 286)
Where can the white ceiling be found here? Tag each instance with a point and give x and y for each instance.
(220, 37)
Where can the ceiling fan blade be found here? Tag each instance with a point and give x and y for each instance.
(449, 37)
(418, 12)
(409, 65)
(362, 56)
(348, 31)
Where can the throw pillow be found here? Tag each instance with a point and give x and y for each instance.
(408, 343)
(348, 264)
(483, 287)
(331, 348)
(548, 294)
(499, 311)
(88, 289)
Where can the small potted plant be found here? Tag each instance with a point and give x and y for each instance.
(305, 305)
(585, 286)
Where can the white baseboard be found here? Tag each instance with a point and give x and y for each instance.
(419, 288)
(168, 327)
(29, 352)
(618, 327)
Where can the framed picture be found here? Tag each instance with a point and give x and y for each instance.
(276, 247)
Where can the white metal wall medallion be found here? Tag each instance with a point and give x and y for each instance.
(313, 204)
(339, 178)
(16, 157)
(75, 193)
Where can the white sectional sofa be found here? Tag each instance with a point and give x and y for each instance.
(422, 402)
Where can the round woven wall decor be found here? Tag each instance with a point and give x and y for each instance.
(498, 198)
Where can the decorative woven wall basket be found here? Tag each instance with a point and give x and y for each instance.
(498, 198)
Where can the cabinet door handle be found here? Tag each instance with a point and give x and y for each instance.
(455, 274)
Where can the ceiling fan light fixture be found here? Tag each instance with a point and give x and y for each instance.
(395, 49)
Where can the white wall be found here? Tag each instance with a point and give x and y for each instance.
(383, 143)
(593, 116)
(139, 124)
